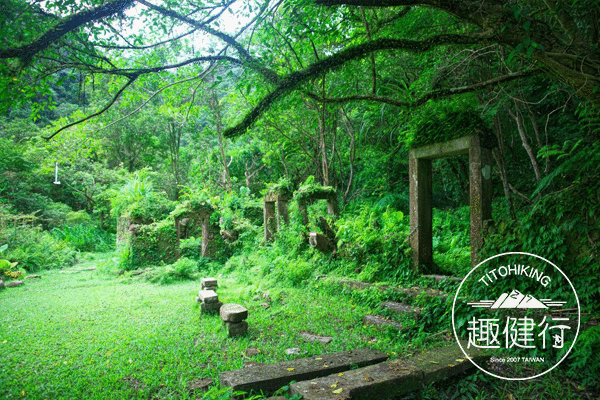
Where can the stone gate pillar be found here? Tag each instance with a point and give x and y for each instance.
(480, 187)
(270, 223)
(283, 214)
(420, 185)
(480, 199)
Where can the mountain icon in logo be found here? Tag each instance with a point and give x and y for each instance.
(517, 299)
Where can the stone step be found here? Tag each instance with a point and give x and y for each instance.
(270, 377)
(401, 308)
(379, 321)
(388, 379)
(438, 278)
(412, 292)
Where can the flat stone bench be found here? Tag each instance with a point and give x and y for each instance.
(268, 378)
(388, 379)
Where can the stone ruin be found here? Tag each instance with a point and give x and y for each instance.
(276, 214)
(195, 221)
(234, 318)
(420, 176)
(153, 242)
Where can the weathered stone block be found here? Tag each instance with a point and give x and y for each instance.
(270, 377)
(236, 328)
(310, 337)
(208, 296)
(14, 284)
(233, 313)
(2, 286)
(380, 321)
(208, 283)
(401, 308)
(321, 242)
(389, 379)
(211, 308)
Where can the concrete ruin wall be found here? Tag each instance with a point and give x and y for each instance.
(196, 222)
(420, 177)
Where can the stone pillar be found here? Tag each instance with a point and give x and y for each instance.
(269, 220)
(332, 206)
(208, 234)
(480, 186)
(419, 170)
(283, 214)
(303, 212)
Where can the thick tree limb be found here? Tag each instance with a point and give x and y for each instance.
(295, 79)
(109, 105)
(429, 96)
(27, 52)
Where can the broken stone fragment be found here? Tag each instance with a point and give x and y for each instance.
(14, 284)
(233, 313)
(236, 328)
(208, 296)
(32, 276)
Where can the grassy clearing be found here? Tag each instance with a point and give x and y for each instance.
(91, 335)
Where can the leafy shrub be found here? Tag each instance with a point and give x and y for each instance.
(85, 237)
(585, 359)
(78, 218)
(376, 243)
(37, 250)
(8, 269)
(181, 270)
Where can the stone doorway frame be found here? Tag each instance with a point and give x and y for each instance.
(420, 178)
(275, 213)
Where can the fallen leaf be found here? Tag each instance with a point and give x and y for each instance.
(459, 360)
(341, 374)
(319, 358)
(333, 385)
(451, 365)
(291, 369)
(434, 362)
(338, 391)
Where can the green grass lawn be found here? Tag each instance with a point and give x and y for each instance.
(89, 335)
(92, 335)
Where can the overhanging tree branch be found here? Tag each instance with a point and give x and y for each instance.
(295, 79)
(109, 105)
(429, 96)
(250, 61)
(25, 53)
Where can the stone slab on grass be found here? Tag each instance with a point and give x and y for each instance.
(380, 321)
(311, 337)
(233, 313)
(208, 296)
(388, 379)
(271, 377)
